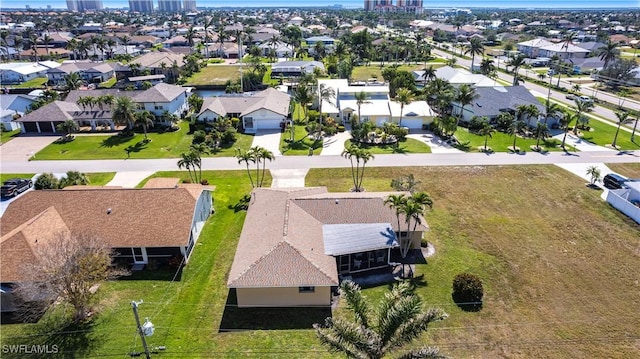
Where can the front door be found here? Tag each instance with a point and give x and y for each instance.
(139, 255)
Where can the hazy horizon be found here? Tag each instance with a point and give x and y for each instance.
(353, 4)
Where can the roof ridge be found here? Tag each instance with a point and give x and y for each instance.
(27, 223)
(308, 259)
(259, 260)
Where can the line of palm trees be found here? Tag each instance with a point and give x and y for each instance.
(257, 156)
(192, 161)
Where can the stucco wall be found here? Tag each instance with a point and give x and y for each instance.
(282, 297)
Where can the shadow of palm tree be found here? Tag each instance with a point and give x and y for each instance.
(137, 147)
(115, 140)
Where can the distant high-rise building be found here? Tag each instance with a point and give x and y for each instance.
(170, 5)
(144, 6)
(409, 6)
(378, 5)
(84, 5)
(189, 5)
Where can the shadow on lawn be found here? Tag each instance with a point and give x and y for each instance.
(279, 318)
(115, 140)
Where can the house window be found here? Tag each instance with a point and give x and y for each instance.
(306, 289)
(158, 107)
(248, 122)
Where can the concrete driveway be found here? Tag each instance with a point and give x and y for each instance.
(269, 139)
(23, 147)
(334, 145)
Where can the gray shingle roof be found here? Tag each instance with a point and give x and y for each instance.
(161, 92)
(493, 99)
(269, 99)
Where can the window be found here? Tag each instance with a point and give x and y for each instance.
(158, 107)
(306, 289)
(248, 122)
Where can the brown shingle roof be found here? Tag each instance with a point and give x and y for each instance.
(155, 59)
(55, 111)
(138, 217)
(282, 244)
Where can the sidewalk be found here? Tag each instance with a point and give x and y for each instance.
(580, 144)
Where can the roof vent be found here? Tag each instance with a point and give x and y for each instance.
(337, 201)
(108, 210)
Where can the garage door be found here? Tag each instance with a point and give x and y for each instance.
(45, 126)
(268, 124)
(30, 127)
(414, 123)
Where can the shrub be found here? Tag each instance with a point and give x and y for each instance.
(341, 128)
(467, 290)
(313, 115)
(204, 182)
(199, 137)
(228, 136)
(46, 181)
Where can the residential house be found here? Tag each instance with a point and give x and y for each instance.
(44, 53)
(593, 47)
(457, 77)
(90, 72)
(626, 200)
(295, 68)
(563, 51)
(157, 62)
(13, 106)
(281, 49)
(328, 42)
(163, 98)
(19, 72)
(258, 111)
(532, 48)
(297, 243)
(491, 101)
(135, 223)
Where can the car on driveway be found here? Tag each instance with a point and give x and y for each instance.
(15, 186)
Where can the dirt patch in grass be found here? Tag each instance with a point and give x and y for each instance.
(559, 265)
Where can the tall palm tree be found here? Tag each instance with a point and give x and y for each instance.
(246, 157)
(609, 53)
(303, 96)
(375, 332)
(413, 209)
(516, 62)
(487, 131)
(487, 67)
(396, 202)
(361, 156)
(72, 46)
(144, 119)
(325, 93)
(187, 161)
(46, 39)
(190, 35)
(514, 129)
(565, 122)
(260, 156)
(474, 48)
(428, 74)
(123, 111)
(526, 112)
(551, 109)
(404, 97)
(197, 150)
(541, 131)
(465, 96)
(208, 23)
(581, 108)
(361, 99)
(622, 118)
(125, 39)
(72, 81)
(567, 41)
(222, 37)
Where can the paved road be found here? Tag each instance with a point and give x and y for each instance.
(304, 162)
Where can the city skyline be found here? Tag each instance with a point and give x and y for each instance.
(350, 4)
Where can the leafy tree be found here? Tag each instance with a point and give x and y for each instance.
(398, 320)
(74, 178)
(68, 266)
(46, 181)
(594, 173)
(361, 157)
(618, 72)
(467, 290)
(403, 97)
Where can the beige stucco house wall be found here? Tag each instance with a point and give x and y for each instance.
(282, 297)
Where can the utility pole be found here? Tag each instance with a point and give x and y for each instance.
(134, 305)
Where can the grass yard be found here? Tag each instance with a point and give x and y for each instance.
(214, 75)
(301, 144)
(162, 145)
(38, 82)
(108, 84)
(630, 170)
(501, 141)
(363, 73)
(100, 178)
(602, 134)
(543, 244)
(7, 176)
(408, 145)
(6, 136)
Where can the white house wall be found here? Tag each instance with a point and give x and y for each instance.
(282, 297)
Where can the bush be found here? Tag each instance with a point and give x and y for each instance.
(313, 115)
(228, 136)
(467, 291)
(46, 181)
(199, 136)
(341, 128)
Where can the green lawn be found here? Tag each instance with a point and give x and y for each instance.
(162, 145)
(34, 83)
(602, 134)
(6, 176)
(214, 75)
(408, 145)
(100, 178)
(108, 84)
(534, 234)
(6, 136)
(500, 142)
(301, 144)
(363, 73)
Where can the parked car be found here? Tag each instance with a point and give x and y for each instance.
(571, 96)
(614, 181)
(15, 186)
(584, 98)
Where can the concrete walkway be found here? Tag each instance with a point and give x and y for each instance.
(269, 139)
(580, 170)
(435, 142)
(580, 144)
(334, 145)
(288, 178)
(129, 179)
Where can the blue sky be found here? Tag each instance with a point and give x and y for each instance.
(573, 4)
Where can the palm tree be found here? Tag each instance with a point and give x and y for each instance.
(46, 39)
(144, 119)
(261, 155)
(404, 97)
(516, 62)
(68, 126)
(609, 53)
(565, 121)
(125, 39)
(567, 41)
(475, 47)
(222, 37)
(486, 130)
(189, 35)
(581, 108)
(246, 157)
(361, 156)
(72, 46)
(487, 67)
(197, 150)
(361, 98)
(373, 333)
(72, 81)
(428, 74)
(396, 202)
(576, 88)
(208, 22)
(187, 161)
(552, 109)
(526, 112)
(303, 96)
(516, 126)
(413, 209)
(541, 131)
(594, 173)
(123, 111)
(465, 96)
(325, 93)
(622, 118)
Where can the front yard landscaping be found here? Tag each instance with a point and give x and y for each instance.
(364, 73)
(162, 145)
(500, 142)
(405, 145)
(301, 144)
(542, 243)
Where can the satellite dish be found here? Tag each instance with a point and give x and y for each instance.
(147, 328)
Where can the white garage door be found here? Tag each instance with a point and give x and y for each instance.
(267, 124)
(414, 123)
